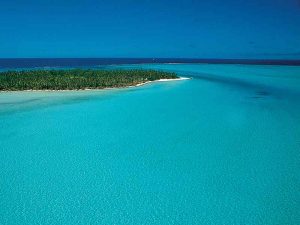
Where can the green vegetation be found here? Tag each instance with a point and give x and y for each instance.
(77, 79)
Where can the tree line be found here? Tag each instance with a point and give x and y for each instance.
(76, 79)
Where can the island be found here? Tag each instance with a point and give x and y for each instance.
(79, 79)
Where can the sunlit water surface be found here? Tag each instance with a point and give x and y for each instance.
(221, 148)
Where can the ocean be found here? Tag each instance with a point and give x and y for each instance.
(220, 148)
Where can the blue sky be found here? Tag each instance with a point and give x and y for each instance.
(145, 28)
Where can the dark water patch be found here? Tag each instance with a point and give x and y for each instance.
(259, 90)
(262, 93)
(229, 81)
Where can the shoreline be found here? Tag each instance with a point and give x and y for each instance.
(99, 89)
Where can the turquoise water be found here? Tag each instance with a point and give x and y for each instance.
(221, 148)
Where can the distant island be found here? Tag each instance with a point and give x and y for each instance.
(78, 79)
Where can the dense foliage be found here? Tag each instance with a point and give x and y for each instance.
(77, 79)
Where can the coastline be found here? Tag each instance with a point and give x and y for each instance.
(99, 89)
(161, 80)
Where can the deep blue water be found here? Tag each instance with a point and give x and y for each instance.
(93, 62)
(220, 148)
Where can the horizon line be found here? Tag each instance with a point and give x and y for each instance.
(109, 61)
(189, 58)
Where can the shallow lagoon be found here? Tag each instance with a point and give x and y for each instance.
(221, 148)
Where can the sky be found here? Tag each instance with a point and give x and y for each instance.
(259, 29)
